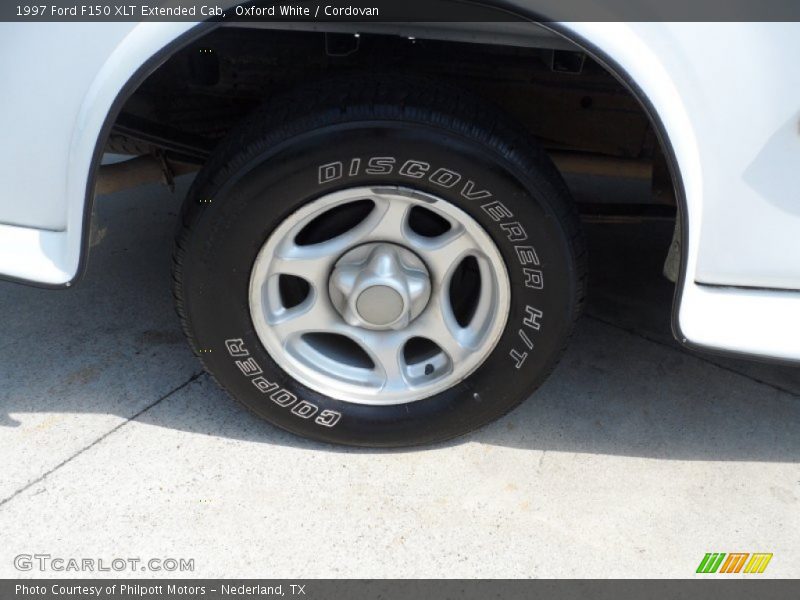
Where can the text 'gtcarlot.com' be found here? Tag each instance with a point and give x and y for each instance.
(47, 562)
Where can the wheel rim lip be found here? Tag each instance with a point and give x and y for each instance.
(353, 392)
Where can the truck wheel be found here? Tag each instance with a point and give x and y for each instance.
(379, 262)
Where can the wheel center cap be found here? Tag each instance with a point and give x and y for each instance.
(379, 286)
(380, 305)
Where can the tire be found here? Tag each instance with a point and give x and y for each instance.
(414, 142)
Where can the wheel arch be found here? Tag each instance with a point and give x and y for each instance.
(138, 55)
(150, 45)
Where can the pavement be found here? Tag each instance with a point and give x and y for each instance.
(634, 459)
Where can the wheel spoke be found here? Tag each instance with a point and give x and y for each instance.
(313, 269)
(443, 253)
(385, 349)
(312, 316)
(388, 221)
(439, 325)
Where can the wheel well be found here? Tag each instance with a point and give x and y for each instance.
(593, 121)
(581, 106)
(567, 100)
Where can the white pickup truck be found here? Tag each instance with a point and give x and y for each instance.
(379, 247)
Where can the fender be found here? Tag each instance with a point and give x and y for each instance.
(52, 252)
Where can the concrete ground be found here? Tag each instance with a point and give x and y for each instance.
(634, 460)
